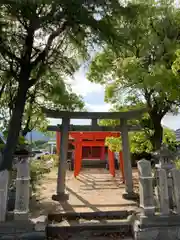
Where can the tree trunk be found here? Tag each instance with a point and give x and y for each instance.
(14, 127)
(26, 128)
(157, 137)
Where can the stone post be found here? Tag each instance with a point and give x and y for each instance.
(94, 123)
(146, 187)
(176, 188)
(127, 158)
(60, 195)
(21, 210)
(166, 162)
(52, 148)
(4, 178)
(163, 191)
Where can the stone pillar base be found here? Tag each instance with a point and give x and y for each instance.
(62, 197)
(131, 196)
(21, 215)
(160, 233)
(40, 223)
(157, 227)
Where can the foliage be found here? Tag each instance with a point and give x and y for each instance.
(54, 94)
(38, 168)
(177, 162)
(41, 45)
(22, 142)
(169, 138)
(139, 142)
(140, 72)
(176, 64)
(37, 171)
(54, 157)
(2, 146)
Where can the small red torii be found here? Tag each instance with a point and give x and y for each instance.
(91, 139)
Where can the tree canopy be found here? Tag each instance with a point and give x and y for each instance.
(143, 70)
(54, 94)
(53, 37)
(140, 143)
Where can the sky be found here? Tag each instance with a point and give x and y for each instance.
(93, 95)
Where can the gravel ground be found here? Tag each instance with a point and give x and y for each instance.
(94, 236)
(93, 190)
(78, 236)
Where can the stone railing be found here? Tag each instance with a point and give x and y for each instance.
(146, 187)
(21, 210)
(21, 225)
(161, 221)
(167, 187)
(22, 191)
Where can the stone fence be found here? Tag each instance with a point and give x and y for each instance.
(21, 210)
(159, 201)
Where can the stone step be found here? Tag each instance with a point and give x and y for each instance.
(88, 235)
(25, 236)
(58, 217)
(14, 227)
(78, 236)
(93, 163)
(65, 227)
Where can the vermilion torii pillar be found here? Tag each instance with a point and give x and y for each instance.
(78, 157)
(80, 142)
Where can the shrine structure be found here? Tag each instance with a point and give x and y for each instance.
(66, 127)
(90, 146)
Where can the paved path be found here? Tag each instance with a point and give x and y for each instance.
(78, 236)
(91, 236)
(92, 190)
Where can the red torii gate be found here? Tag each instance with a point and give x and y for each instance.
(96, 139)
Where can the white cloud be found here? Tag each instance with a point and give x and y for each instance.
(171, 121)
(55, 122)
(82, 86)
(98, 107)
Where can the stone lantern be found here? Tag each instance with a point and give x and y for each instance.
(166, 161)
(166, 158)
(22, 155)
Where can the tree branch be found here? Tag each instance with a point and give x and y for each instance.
(13, 72)
(147, 96)
(42, 56)
(40, 71)
(4, 51)
(2, 89)
(33, 126)
(32, 100)
(164, 111)
(26, 128)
